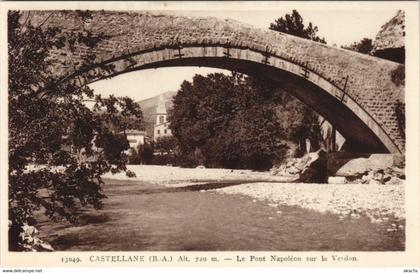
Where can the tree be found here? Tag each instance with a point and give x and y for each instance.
(365, 46)
(228, 121)
(119, 113)
(165, 145)
(308, 125)
(145, 152)
(58, 147)
(293, 24)
(309, 128)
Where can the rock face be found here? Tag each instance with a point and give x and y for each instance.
(288, 169)
(315, 169)
(389, 42)
(311, 168)
(391, 34)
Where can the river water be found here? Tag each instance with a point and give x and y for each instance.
(139, 216)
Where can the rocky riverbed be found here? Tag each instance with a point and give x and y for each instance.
(141, 216)
(377, 202)
(170, 208)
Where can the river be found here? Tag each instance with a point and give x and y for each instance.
(140, 216)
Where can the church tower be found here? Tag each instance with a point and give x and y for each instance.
(161, 124)
(161, 113)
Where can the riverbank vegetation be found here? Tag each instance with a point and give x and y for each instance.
(50, 126)
(238, 121)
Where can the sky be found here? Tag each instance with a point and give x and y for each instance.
(339, 27)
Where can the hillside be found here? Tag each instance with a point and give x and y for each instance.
(148, 106)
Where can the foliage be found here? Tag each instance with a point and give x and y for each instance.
(228, 121)
(306, 123)
(165, 145)
(398, 78)
(293, 24)
(119, 113)
(400, 114)
(365, 46)
(165, 159)
(58, 147)
(310, 128)
(133, 157)
(398, 75)
(145, 152)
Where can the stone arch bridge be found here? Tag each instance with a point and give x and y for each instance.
(354, 92)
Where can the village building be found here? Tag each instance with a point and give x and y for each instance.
(161, 127)
(136, 137)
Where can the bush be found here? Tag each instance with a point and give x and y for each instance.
(400, 114)
(167, 159)
(133, 157)
(398, 75)
(145, 153)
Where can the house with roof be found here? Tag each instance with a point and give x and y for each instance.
(136, 137)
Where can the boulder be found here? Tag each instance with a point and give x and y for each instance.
(399, 161)
(395, 181)
(285, 171)
(367, 177)
(374, 182)
(354, 167)
(337, 180)
(274, 171)
(293, 170)
(290, 163)
(301, 162)
(278, 170)
(380, 161)
(387, 177)
(360, 166)
(315, 169)
(398, 172)
(379, 176)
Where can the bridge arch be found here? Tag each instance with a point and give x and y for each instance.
(354, 92)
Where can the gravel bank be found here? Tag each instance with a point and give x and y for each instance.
(175, 176)
(378, 202)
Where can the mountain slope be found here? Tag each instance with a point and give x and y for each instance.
(148, 106)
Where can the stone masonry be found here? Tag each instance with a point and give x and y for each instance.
(139, 39)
